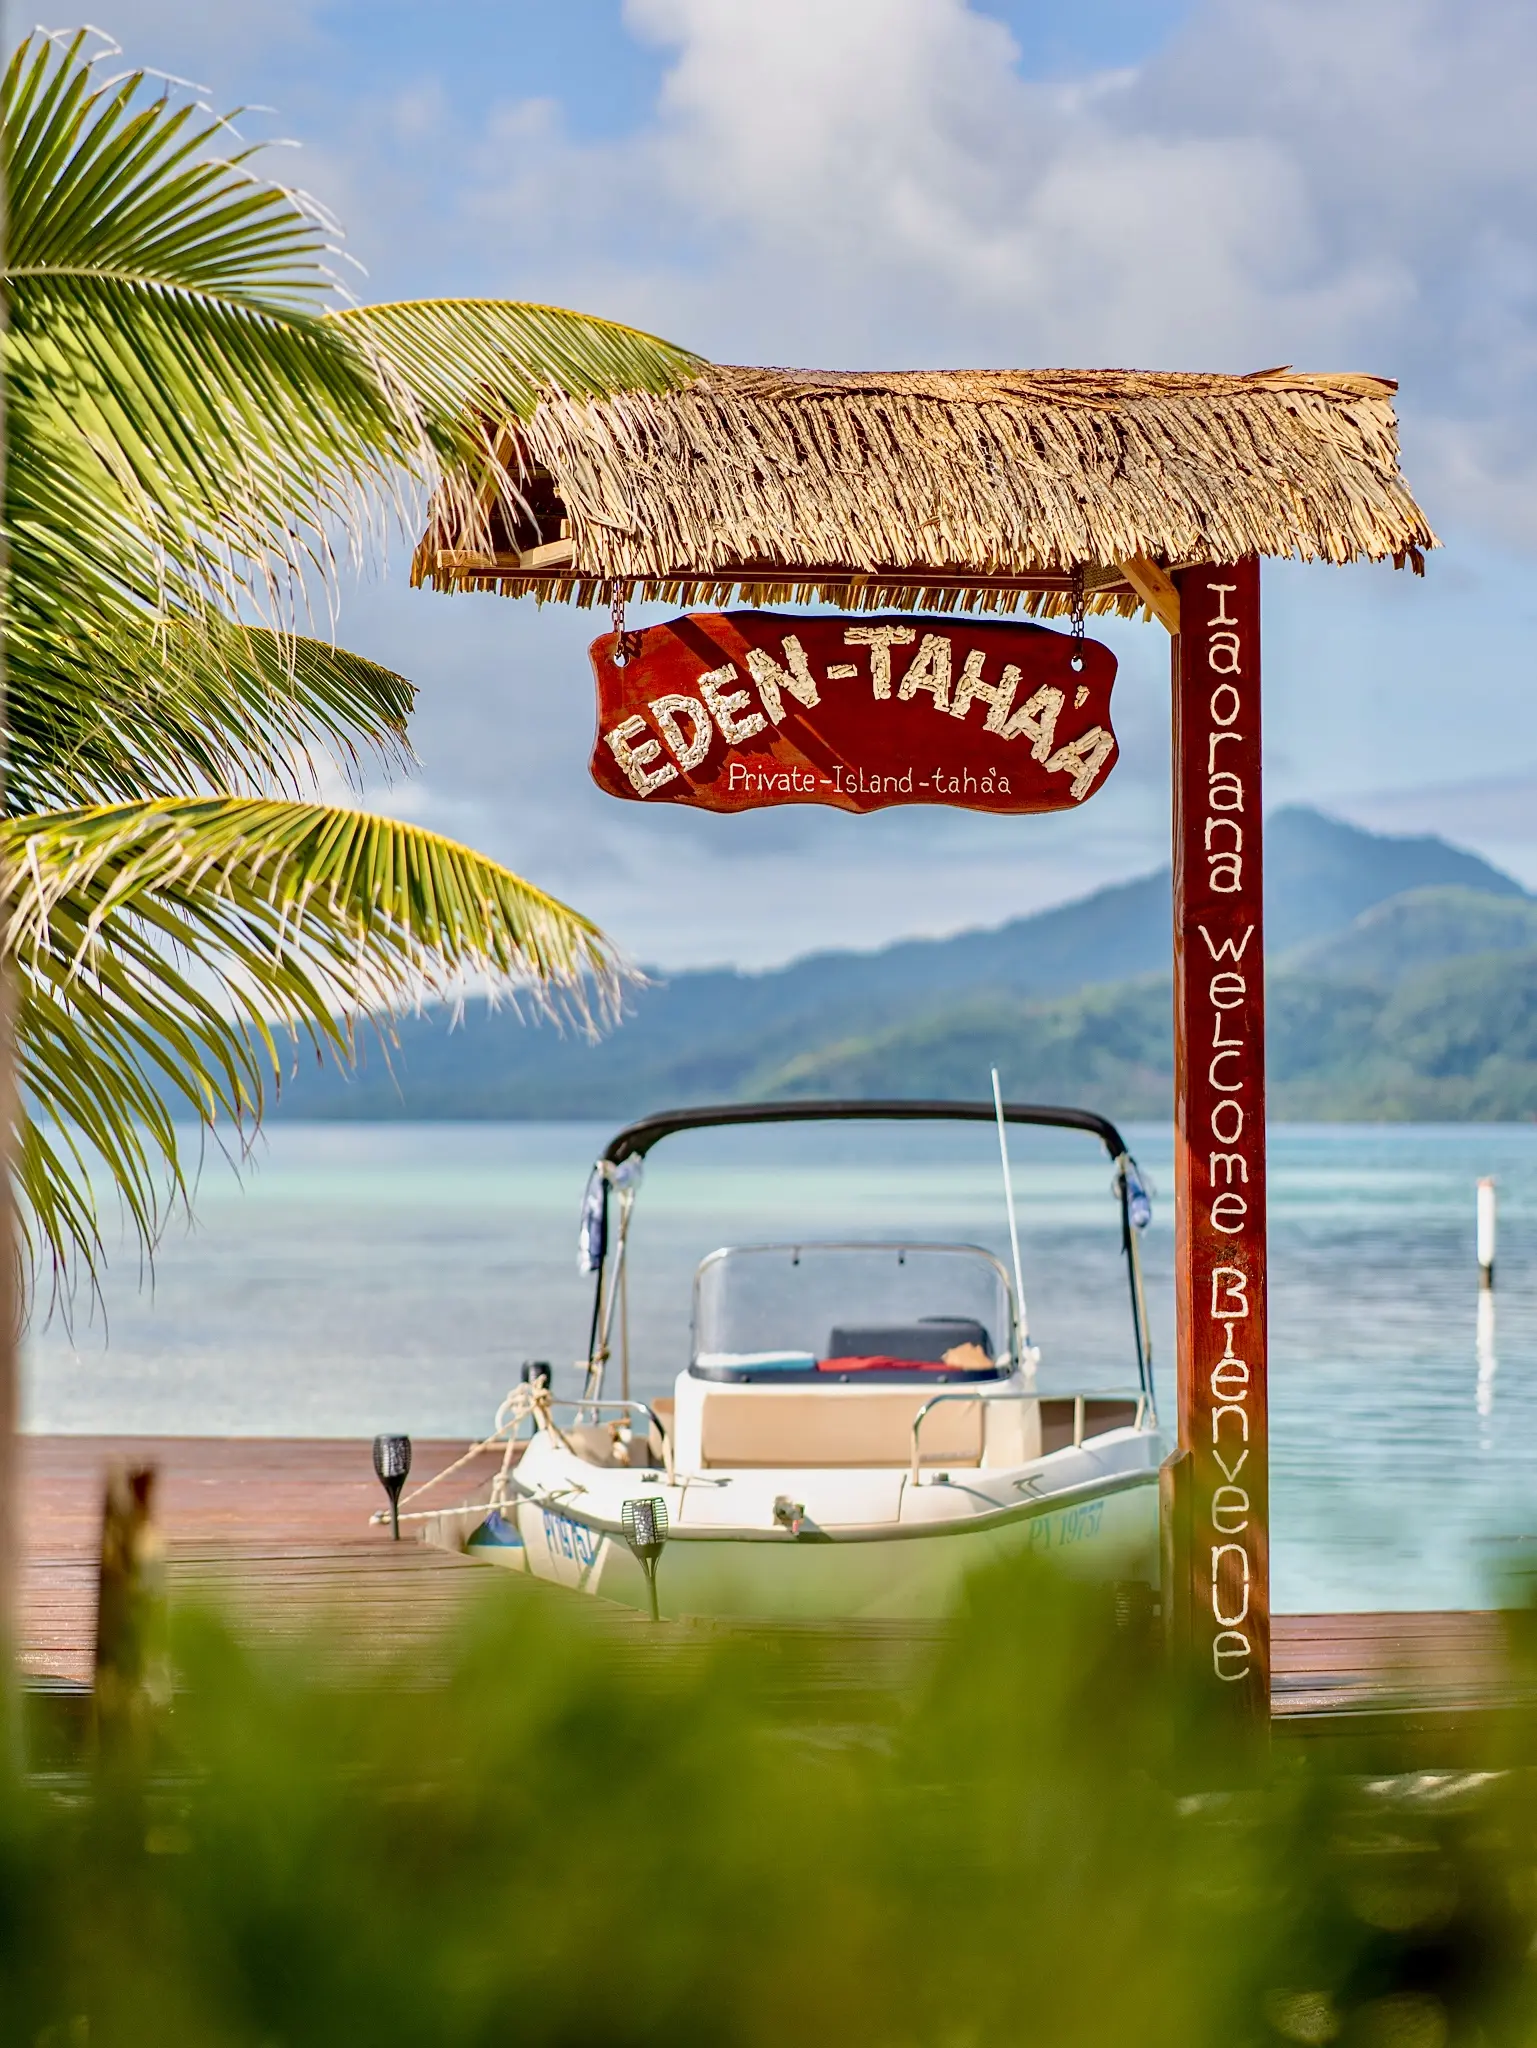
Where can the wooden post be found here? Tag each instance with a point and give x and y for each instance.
(132, 1670)
(1217, 1489)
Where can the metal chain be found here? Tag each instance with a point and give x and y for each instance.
(1079, 607)
(616, 609)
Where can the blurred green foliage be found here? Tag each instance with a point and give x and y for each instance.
(582, 1836)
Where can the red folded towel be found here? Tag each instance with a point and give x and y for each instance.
(879, 1364)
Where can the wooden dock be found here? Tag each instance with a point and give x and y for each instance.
(275, 1531)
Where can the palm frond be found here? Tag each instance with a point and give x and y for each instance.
(471, 368)
(462, 359)
(115, 664)
(232, 444)
(114, 715)
(163, 308)
(102, 180)
(189, 433)
(384, 907)
(164, 318)
(162, 951)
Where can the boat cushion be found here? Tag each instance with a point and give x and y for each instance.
(831, 1426)
(744, 1368)
(751, 1365)
(967, 1363)
(897, 1372)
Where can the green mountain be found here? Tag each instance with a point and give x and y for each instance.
(1423, 1008)
(1072, 1004)
(1109, 1047)
(1393, 938)
(1456, 1041)
(1321, 874)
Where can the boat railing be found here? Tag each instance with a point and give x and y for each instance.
(592, 1410)
(1080, 1412)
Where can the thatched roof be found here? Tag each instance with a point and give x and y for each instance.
(977, 489)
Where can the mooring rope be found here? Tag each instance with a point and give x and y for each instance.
(525, 1400)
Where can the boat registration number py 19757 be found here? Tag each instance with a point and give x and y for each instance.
(564, 1538)
(1068, 1526)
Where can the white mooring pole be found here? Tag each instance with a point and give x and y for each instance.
(1486, 1229)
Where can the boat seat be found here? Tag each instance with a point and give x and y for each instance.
(1059, 1421)
(828, 1426)
(598, 1444)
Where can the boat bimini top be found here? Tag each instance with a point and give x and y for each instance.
(824, 1314)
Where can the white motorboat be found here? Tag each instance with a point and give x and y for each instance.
(857, 1426)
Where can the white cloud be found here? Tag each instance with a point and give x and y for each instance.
(1339, 183)
(1343, 183)
(891, 109)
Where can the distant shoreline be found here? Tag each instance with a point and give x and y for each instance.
(1402, 988)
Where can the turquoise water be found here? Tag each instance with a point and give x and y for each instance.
(395, 1276)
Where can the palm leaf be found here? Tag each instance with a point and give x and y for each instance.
(162, 950)
(113, 666)
(230, 442)
(472, 367)
(115, 715)
(163, 303)
(164, 318)
(99, 180)
(190, 435)
(190, 432)
(463, 359)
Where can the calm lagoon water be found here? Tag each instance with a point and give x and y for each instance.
(367, 1277)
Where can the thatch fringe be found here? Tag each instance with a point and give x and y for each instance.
(777, 485)
(695, 593)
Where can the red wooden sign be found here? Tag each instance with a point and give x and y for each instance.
(1222, 1485)
(730, 711)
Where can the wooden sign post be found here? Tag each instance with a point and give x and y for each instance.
(1217, 1487)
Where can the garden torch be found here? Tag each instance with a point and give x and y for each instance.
(392, 1462)
(645, 1530)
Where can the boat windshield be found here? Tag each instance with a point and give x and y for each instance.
(837, 1311)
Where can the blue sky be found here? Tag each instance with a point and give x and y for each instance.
(1226, 184)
